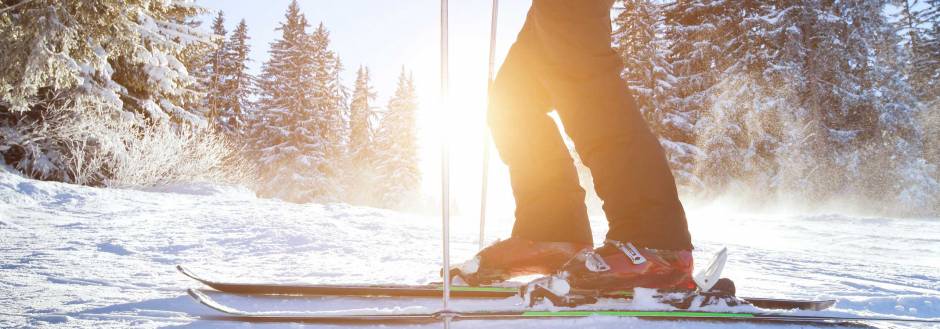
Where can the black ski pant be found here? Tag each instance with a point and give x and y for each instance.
(563, 60)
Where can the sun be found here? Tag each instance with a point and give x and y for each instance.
(461, 119)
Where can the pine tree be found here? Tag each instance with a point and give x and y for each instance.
(361, 177)
(300, 126)
(166, 94)
(742, 135)
(697, 31)
(900, 140)
(216, 72)
(362, 114)
(798, 70)
(910, 27)
(396, 147)
(329, 98)
(852, 88)
(909, 23)
(196, 58)
(925, 79)
(718, 54)
(119, 55)
(290, 151)
(96, 50)
(924, 49)
(843, 64)
(238, 85)
(640, 40)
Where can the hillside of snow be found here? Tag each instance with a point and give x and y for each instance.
(73, 256)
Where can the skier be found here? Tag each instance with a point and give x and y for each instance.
(562, 59)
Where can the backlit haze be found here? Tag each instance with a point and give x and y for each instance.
(385, 35)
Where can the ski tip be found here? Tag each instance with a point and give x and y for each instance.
(204, 299)
(185, 271)
(822, 305)
(201, 297)
(196, 294)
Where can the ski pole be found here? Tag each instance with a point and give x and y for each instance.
(486, 130)
(445, 160)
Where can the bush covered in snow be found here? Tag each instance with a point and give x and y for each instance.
(100, 146)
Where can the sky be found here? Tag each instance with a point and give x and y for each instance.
(386, 36)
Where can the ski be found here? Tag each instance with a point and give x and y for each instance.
(231, 314)
(436, 290)
(428, 290)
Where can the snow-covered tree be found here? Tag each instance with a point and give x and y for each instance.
(793, 95)
(853, 89)
(299, 127)
(360, 176)
(361, 118)
(930, 96)
(196, 58)
(329, 98)
(901, 137)
(640, 40)
(918, 25)
(694, 29)
(396, 147)
(238, 86)
(928, 85)
(216, 72)
(717, 54)
(120, 55)
(772, 129)
(290, 151)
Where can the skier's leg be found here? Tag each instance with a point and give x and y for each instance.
(582, 74)
(551, 219)
(549, 199)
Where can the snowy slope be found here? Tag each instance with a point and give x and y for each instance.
(74, 256)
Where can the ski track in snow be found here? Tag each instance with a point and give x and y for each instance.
(86, 257)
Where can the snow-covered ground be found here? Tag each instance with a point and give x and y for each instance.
(75, 256)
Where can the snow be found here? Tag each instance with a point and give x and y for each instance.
(87, 257)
